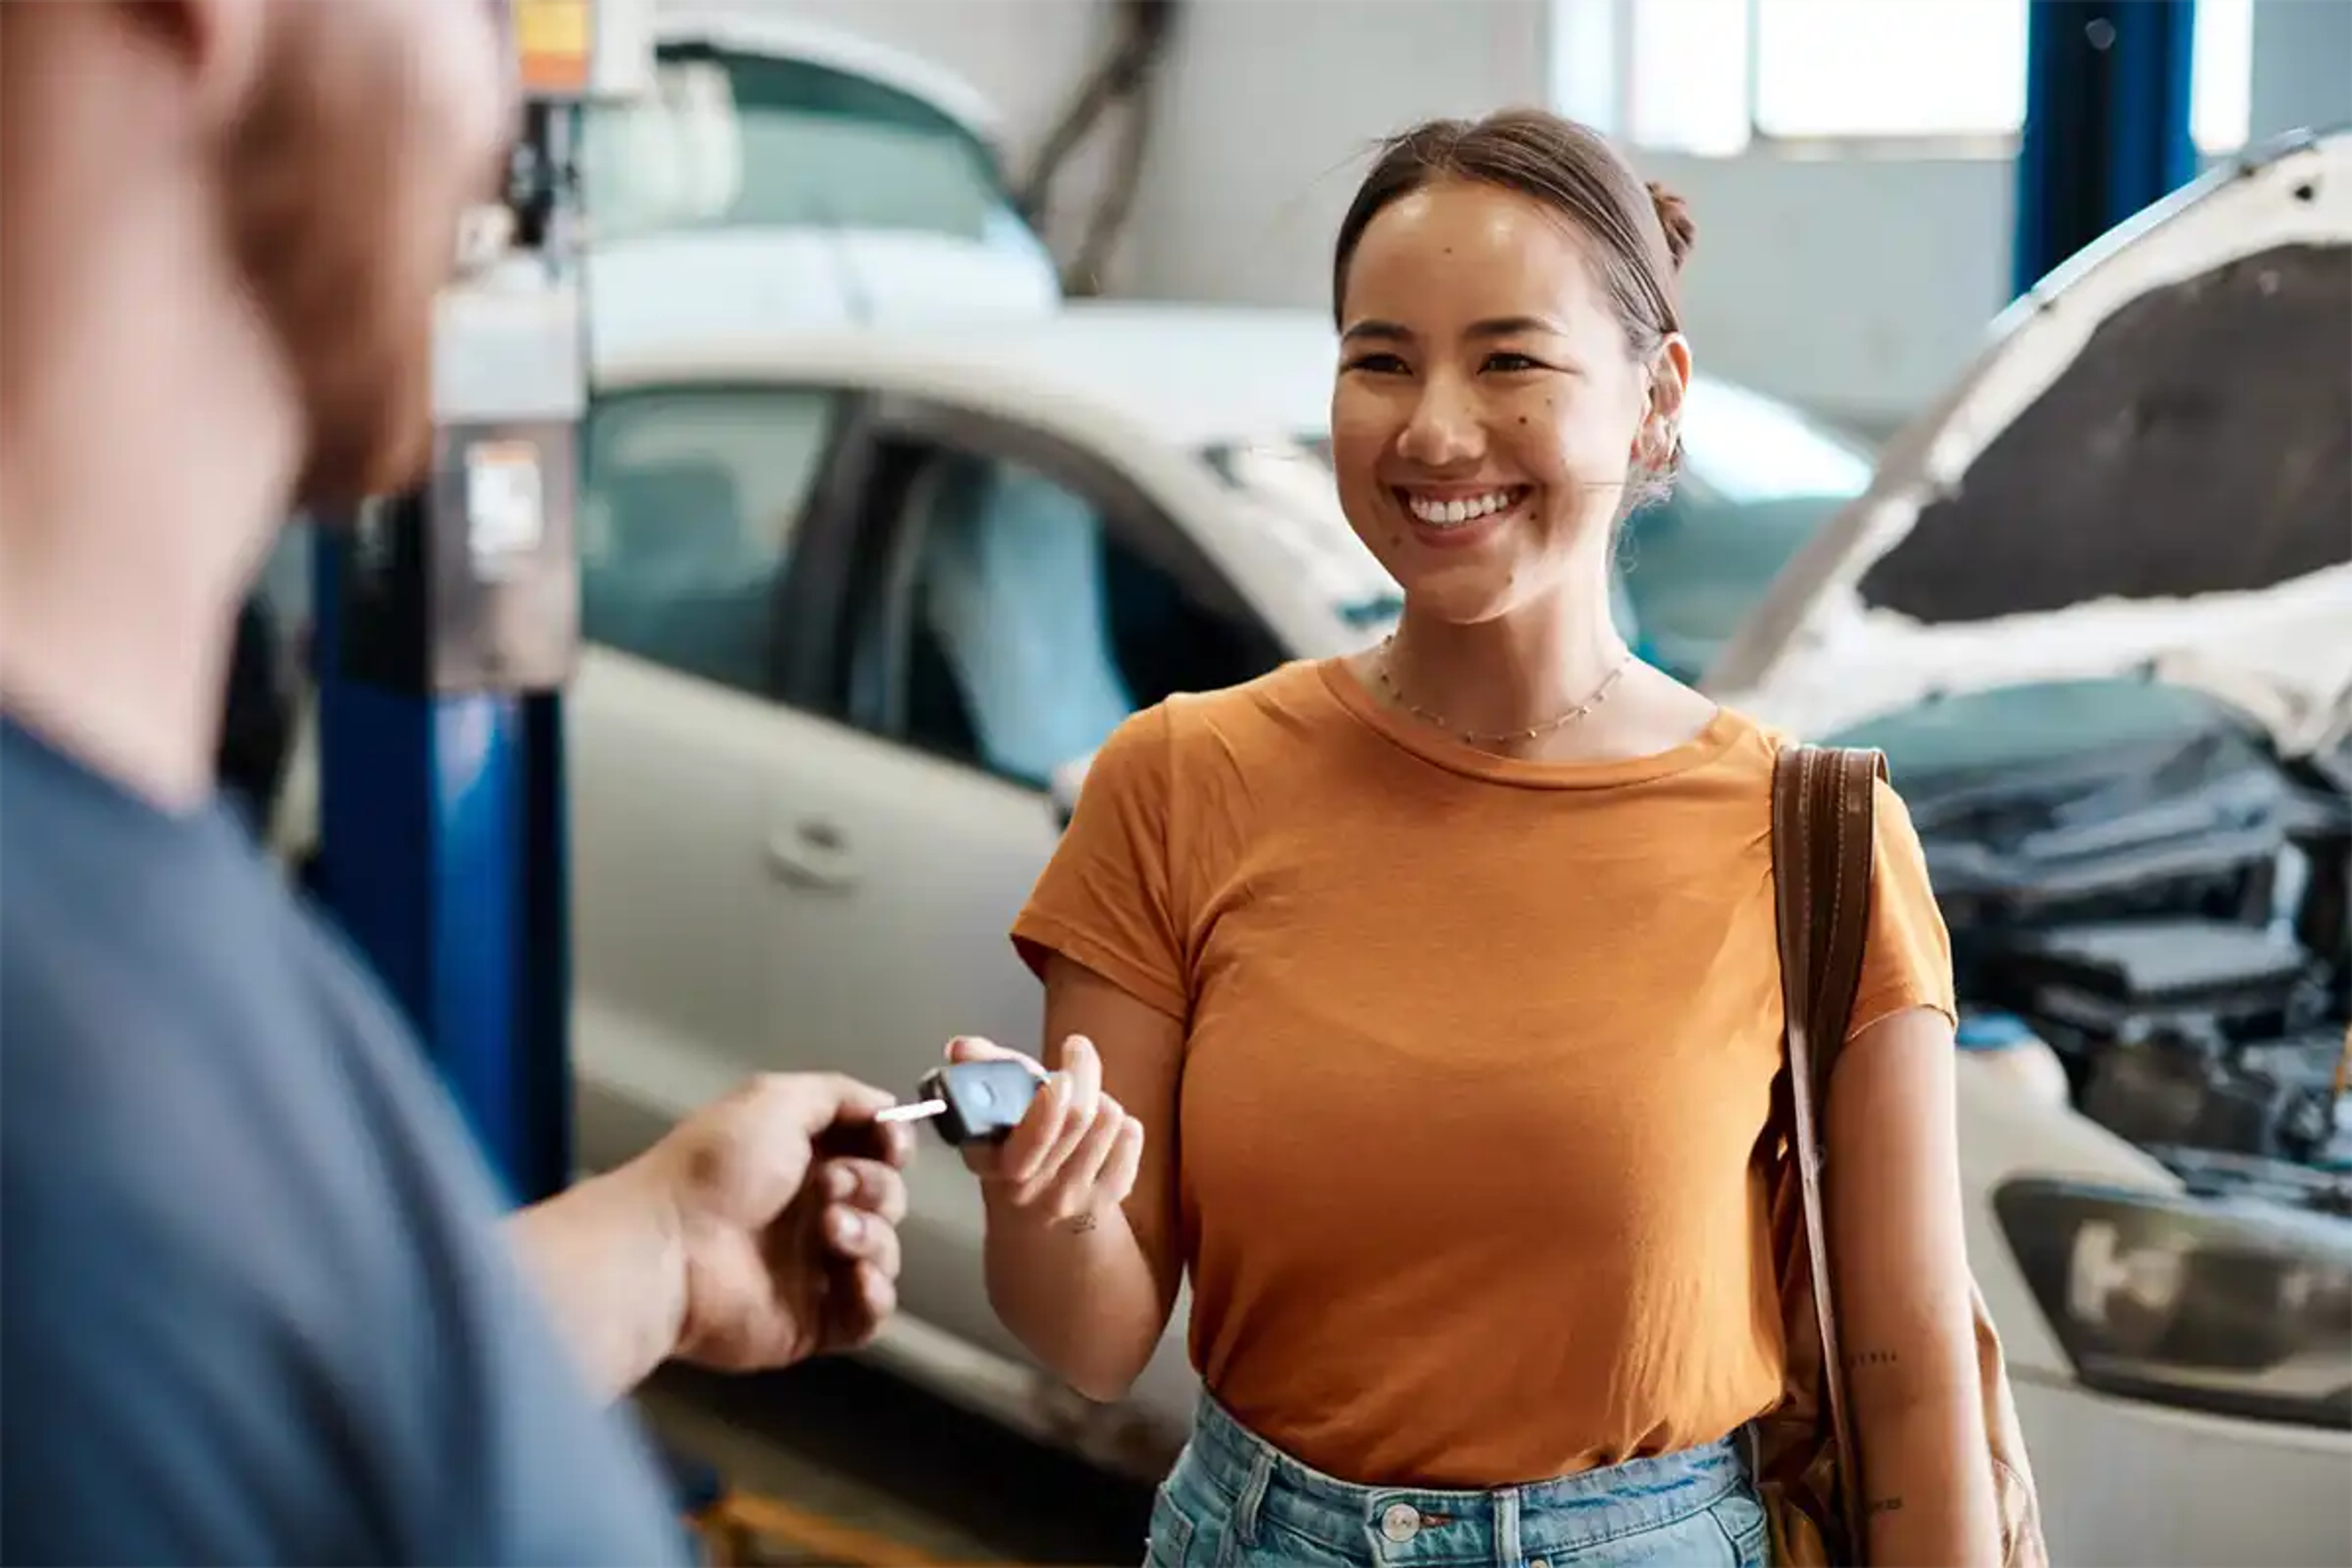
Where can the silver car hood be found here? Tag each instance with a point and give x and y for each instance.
(2148, 467)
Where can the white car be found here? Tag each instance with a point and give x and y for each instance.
(786, 174)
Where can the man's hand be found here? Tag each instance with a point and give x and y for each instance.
(762, 1231)
(785, 1196)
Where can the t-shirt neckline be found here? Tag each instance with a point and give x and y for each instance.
(1435, 746)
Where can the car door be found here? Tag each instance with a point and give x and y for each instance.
(1011, 600)
(695, 584)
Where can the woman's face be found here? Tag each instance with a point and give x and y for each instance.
(1488, 406)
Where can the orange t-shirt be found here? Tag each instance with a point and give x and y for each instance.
(1478, 1059)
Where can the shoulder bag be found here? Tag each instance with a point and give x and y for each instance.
(1822, 848)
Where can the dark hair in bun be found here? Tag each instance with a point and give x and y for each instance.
(1675, 218)
(1641, 233)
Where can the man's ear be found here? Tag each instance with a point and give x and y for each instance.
(216, 48)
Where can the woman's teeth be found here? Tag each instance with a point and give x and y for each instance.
(1451, 513)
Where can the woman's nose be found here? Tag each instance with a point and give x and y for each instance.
(1444, 429)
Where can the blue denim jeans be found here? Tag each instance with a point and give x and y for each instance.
(1235, 1501)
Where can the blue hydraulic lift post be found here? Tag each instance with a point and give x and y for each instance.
(2106, 121)
(442, 857)
(440, 644)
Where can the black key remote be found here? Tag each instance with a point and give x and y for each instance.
(970, 1102)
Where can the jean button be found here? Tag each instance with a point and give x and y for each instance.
(1400, 1521)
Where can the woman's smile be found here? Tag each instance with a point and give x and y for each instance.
(1452, 516)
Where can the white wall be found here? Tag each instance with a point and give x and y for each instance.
(1855, 286)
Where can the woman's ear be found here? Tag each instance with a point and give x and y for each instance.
(1660, 440)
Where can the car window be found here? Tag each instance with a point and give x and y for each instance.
(1025, 624)
(1757, 480)
(731, 140)
(691, 503)
(1287, 491)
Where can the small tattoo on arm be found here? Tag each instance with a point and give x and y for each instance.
(1883, 1505)
(1862, 1359)
(1078, 1225)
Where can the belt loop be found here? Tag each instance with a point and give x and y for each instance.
(1506, 1525)
(1253, 1494)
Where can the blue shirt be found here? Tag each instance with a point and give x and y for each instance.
(256, 1306)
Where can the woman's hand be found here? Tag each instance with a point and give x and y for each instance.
(1076, 1153)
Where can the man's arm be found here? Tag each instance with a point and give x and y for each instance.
(1899, 1255)
(609, 1260)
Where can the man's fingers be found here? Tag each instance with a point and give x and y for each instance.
(854, 1235)
(813, 1101)
(861, 1301)
(869, 1184)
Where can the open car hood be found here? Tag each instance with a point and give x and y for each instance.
(2148, 468)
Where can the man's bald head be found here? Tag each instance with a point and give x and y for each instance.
(304, 161)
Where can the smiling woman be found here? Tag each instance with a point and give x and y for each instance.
(1494, 898)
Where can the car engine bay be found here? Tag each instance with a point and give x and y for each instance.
(2171, 917)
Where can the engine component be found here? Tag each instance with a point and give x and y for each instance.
(2277, 1101)
(2203, 982)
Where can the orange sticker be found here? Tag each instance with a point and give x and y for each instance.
(553, 45)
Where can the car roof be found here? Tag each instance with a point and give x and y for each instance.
(1190, 376)
(755, 28)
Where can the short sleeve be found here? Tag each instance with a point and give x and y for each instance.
(1105, 898)
(1906, 960)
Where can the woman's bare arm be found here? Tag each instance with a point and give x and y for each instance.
(1091, 1299)
(1900, 1260)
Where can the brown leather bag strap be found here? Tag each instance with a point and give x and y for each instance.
(1823, 849)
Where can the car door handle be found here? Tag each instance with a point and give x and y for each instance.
(813, 855)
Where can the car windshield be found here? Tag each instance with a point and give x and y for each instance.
(1289, 482)
(731, 140)
(1757, 480)
(2015, 729)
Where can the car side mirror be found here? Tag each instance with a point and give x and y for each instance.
(1064, 788)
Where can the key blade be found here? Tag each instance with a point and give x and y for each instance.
(919, 1111)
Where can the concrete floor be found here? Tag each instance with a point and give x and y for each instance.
(875, 1472)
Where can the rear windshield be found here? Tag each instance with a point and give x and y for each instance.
(737, 141)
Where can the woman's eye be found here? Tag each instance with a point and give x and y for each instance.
(1381, 365)
(1510, 361)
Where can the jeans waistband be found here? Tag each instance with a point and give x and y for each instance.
(1262, 1484)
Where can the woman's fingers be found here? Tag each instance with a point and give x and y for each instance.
(1126, 1162)
(1071, 1192)
(1029, 1151)
(1073, 1145)
(974, 1048)
(1081, 1080)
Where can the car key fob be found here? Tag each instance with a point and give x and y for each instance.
(972, 1103)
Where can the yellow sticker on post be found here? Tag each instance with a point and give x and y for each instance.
(554, 47)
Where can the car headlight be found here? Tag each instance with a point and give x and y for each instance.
(2211, 1304)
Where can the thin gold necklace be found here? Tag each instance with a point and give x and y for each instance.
(1380, 670)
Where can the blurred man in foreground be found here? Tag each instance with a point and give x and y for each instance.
(260, 1304)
